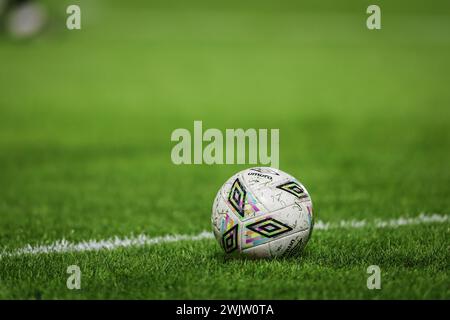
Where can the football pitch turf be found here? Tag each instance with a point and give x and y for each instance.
(85, 153)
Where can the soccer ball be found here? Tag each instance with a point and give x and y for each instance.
(262, 212)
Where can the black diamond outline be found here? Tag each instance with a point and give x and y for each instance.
(253, 226)
(234, 230)
(284, 187)
(231, 200)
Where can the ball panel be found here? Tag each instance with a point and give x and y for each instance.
(219, 209)
(281, 194)
(277, 224)
(261, 177)
(225, 225)
(261, 251)
(290, 245)
(296, 216)
(241, 200)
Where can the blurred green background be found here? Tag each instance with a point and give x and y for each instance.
(86, 115)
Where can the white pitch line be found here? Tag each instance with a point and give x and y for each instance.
(64, 246)
(392, 223)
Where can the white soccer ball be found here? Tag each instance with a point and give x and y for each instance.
(262, 212)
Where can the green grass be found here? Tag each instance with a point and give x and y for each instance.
(364, 117)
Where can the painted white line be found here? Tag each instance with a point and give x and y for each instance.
(392, 223)
(64, 246)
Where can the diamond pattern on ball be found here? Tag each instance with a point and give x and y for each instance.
(237, 197)
(293, 188)
(230, 239)
(269, 227)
